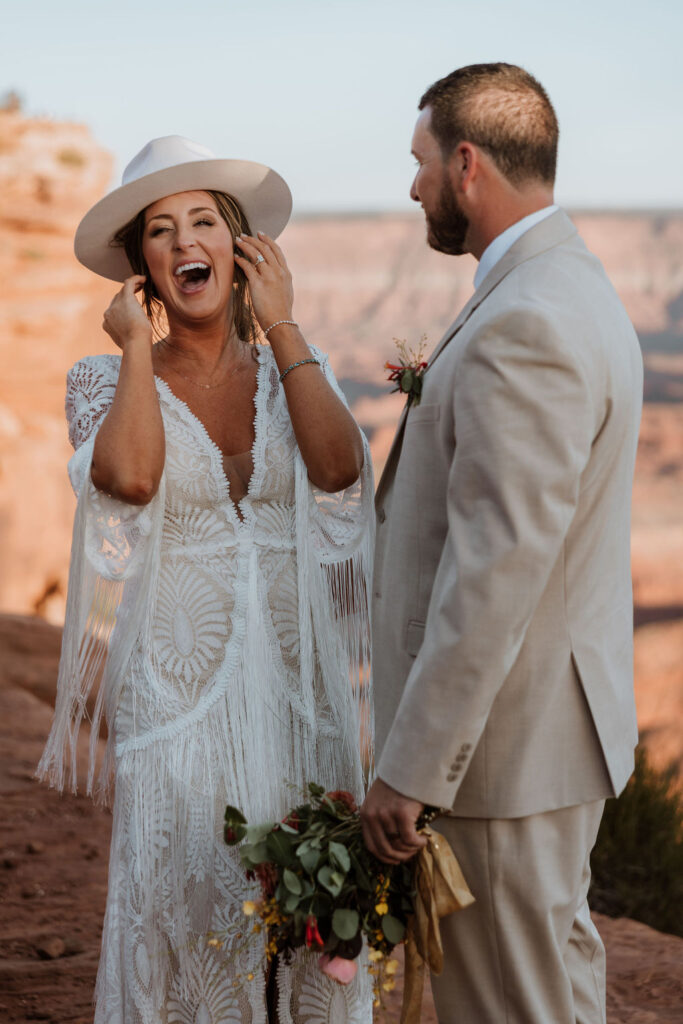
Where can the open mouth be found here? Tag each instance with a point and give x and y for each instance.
(191, 277)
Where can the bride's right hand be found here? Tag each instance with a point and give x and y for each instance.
(125, 318)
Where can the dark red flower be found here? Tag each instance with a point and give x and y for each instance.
(313, 936)
(342, 796)
(267, 875)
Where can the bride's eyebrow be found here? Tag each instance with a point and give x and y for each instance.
(192, 212)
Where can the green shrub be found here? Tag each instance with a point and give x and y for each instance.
(637, 863)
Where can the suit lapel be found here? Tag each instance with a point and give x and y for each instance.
(552, 231)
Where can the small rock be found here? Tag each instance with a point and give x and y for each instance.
(30, 891)
(51, 949)
(10, 861)
(35, 846)
(72, 946)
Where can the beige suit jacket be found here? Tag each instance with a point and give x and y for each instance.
(502, 605)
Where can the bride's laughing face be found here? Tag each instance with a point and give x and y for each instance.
(189, 251)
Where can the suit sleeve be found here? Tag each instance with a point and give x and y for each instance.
(524, 421)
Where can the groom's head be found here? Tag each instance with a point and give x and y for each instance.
(486, 146)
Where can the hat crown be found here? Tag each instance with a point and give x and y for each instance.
(160, 154)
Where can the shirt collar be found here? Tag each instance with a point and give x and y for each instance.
(500, 245)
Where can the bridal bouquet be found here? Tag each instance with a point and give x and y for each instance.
(323, 890)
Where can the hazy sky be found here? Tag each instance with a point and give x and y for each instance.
(326, 92)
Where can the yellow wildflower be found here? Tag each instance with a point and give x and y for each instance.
(391, 966)
(382, 908)
(215, 942)
(248, 908)
(374, 955)
(389, 985)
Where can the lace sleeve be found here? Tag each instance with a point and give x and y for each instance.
(112, 580)
(90, 388)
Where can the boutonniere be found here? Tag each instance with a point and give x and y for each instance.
(408, 374)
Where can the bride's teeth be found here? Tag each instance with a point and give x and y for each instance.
(190, 266)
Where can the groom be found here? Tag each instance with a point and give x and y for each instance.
(502, 595)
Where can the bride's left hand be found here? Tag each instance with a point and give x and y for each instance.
(270, 282)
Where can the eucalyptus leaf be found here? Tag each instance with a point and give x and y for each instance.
(345, 923)
(291, 902)
(340, 856)
(393, 929)
(253, 854)
(310, 858)
(279, 847)
(292, 882)
(255, 833)
(331, 880)
(288, 828)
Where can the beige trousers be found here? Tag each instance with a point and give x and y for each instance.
(527, 951)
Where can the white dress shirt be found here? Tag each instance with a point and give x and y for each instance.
(501, 243)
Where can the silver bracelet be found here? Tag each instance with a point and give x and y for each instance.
(277, 324)
(293, 366)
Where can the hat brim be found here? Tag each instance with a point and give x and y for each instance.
(261, 192)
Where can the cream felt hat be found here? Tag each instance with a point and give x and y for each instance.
(162, 168)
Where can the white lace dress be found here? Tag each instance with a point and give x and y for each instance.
(230, 646)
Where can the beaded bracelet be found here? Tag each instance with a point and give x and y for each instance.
(277, 324)
(293, 366)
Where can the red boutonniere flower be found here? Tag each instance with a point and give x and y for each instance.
(408, 374)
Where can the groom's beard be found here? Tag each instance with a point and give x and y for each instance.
(447, 226)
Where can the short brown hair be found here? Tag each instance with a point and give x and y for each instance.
(502, 109)
(130, 236)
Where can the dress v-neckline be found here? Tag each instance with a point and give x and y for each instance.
(217, 453)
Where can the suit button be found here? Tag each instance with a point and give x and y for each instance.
(451, 777)
(381, 515)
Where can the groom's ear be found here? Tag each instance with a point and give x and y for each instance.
(463, 165)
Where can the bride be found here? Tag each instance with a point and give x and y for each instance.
(218, 584)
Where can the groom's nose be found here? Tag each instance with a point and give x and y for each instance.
(413, 191)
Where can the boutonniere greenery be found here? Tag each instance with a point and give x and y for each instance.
(408, 373)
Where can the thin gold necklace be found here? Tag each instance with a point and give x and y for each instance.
(197, 383)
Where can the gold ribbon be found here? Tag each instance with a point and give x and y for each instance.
(441, 889)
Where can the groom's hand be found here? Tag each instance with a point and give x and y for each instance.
(388, 819)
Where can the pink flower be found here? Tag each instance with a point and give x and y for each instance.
(337, 968)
